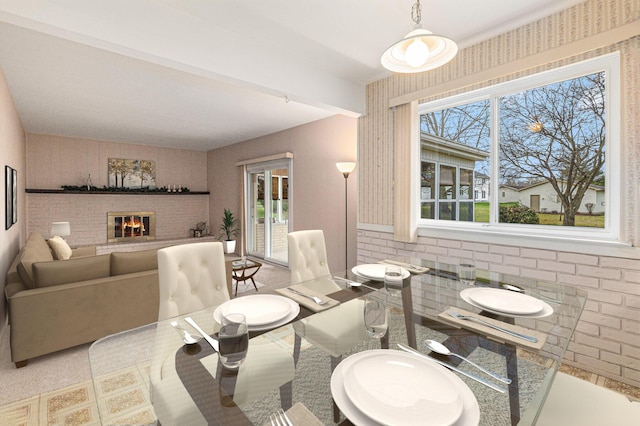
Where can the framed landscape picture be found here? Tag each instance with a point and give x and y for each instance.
(124, 173)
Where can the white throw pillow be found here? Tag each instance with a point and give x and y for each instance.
(60, 248)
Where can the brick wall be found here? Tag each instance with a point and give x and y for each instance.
(176, 215)
(607, 338)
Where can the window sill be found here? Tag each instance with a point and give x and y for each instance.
(543, 242)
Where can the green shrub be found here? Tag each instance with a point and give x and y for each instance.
(518, 214)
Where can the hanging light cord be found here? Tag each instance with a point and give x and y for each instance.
(416, 12)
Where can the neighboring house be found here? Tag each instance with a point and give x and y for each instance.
(447, 188)
(541, 197)
(481, 187)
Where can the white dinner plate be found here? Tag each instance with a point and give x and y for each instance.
(505, 301)
(545, 312)
(388, 386)
(263, 311)
(470, 414)
(375, 271)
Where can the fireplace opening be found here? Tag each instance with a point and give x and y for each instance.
(130, 226)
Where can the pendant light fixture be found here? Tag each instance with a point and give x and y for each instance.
(420, 50)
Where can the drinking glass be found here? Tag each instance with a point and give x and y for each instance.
(375, 318)
(467, 273)
(233, 339)
(393, 280)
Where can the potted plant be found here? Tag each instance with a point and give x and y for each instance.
(229, 231)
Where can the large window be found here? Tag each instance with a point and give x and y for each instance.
(539, 154)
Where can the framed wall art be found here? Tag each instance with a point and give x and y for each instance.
(8, 200)
(14, 194)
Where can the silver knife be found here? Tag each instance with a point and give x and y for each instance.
(493, 386)
(213, 342)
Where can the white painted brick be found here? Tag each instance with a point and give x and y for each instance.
(567, 268)
(591, 271)
(538, 254)
(435, 250)
(601, 320)
(632, 276)
(505, 269)
(512, 251)
(620, 360)
(520, 261)
(597, 366)
(631, 326)
(538, 274)
(587, 328)
(605, 296)
(619, 311)
(613, 347)
(620, 287)
(632, 302)
(427, 241)
(473, 246)
(584, 259)
(620, 263)
(456, 244)
(590, 351)
(579, 281)
(462, 254)
(489, 258)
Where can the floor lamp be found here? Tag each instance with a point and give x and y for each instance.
(346, 169)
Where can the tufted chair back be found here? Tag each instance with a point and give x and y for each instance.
(192, 277)
(307, 255)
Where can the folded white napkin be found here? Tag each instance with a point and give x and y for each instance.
(411, 268)
(305, 301)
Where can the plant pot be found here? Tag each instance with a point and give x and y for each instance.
(229, 246)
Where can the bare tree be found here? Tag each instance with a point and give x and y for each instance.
(556, 133)
(467, 124)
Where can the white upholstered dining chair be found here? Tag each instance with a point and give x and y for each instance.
(192, 279)
(337, 330)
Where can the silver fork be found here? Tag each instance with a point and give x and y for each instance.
(314, 298)
(280, 418)
(488, 324)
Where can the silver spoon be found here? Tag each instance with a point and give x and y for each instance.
(443, 350)
(187, 337)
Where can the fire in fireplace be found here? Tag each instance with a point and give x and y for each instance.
(131, 226)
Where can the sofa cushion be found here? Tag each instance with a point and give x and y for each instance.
(60, 248)
(35, 249)
(133, 261)
(57, 272)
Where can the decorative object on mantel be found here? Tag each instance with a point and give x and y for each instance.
(124, 173)
(200, 230)
(120, 189)
(229, 230)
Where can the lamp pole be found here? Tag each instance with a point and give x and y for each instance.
(346, 169)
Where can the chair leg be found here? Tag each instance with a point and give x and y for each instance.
(23, 363)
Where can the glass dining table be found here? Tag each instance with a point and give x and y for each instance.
(524, 343)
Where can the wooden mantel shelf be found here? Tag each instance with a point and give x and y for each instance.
(64, 191)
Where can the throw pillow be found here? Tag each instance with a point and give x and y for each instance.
(60, 248)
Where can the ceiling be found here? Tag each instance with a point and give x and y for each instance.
(201, 74)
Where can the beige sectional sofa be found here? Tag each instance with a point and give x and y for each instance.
(58, 304)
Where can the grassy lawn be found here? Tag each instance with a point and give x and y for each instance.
(482, 215)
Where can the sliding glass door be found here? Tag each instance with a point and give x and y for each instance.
(268, 207)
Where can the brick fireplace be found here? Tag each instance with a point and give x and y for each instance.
(131, 226)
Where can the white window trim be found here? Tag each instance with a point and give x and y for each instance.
(610, 64)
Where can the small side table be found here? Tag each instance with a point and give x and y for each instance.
(243, 271)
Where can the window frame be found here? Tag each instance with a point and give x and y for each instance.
(610, 65)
